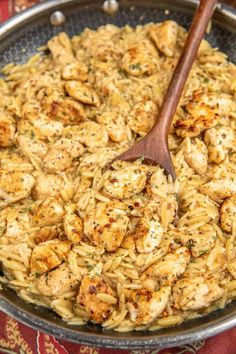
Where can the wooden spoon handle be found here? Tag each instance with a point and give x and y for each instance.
(197, 30)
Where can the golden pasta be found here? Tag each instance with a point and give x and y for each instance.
(126, 248)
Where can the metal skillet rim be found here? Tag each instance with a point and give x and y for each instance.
(107, 339)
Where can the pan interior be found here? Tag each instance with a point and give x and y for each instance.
(17, 46)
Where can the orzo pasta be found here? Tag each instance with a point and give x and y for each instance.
(127, 247)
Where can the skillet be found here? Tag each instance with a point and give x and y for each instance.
(19, 39)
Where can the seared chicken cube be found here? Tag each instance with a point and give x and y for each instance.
(47, 185)
(82, 93)
(146, 305)
(126, 182)
(219, 189)
(57, 160)
(195, 293)
(17, 223)
(75, 71)
(107, 225)
(202, 113)
(142, 117)
(219, 140)
(61, 49)
(164, 35)
(48, 255)
(228, 213)
(65, 109)
(231, 267)
(47, 127)
(90, 289)
(7, 130)
(148, 235)
(115, 125)
(73, 147)
(90, 134)
(14, 186)
(140, 60)
(170, 267)
(199, 241)
(57, 282)
(73, 226)
(32, 147)
(47, 233)
(49, 212)
(196, 155)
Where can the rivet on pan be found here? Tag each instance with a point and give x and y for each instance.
(57, 18)
(110, 6)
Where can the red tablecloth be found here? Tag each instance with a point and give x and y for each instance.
(18, 338)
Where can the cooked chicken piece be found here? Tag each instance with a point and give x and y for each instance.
(148, 234)
(25, 128)
(47, 185)
(14, 186)
(30, 146)
(219, 140)
(96, 309)
(146, 305)
(31, 109)
(47, 233)
(158, 181)
(101, 157)
(7, 130)
(82, 93)
(48, 255)
(196, 155)
(49, 212)
(203, 112)
(47, 127)
(15, 162)
(231, 267)
(40, 124)
(228, 213)
(199, 241)
(57, 160)
(107, 225)
(142, 117)
(57, 282)
(90, 134)
(164, 35)
(17, 222)
(217, 259)
(73, 147)
(75, 71)
(61, 49)
(141, 59)
(115, 126)
(73, 226)
(160, 192)
(65, 109)
(195, 293)
(128, 243)
(170, 267)
(199, 119)
(219, 189)
(100, 44)
(61, 154)
(126, 182)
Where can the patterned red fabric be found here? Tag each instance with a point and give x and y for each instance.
(18, 338)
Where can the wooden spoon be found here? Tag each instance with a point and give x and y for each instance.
(153, 148)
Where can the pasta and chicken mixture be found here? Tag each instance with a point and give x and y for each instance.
(126, 248)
